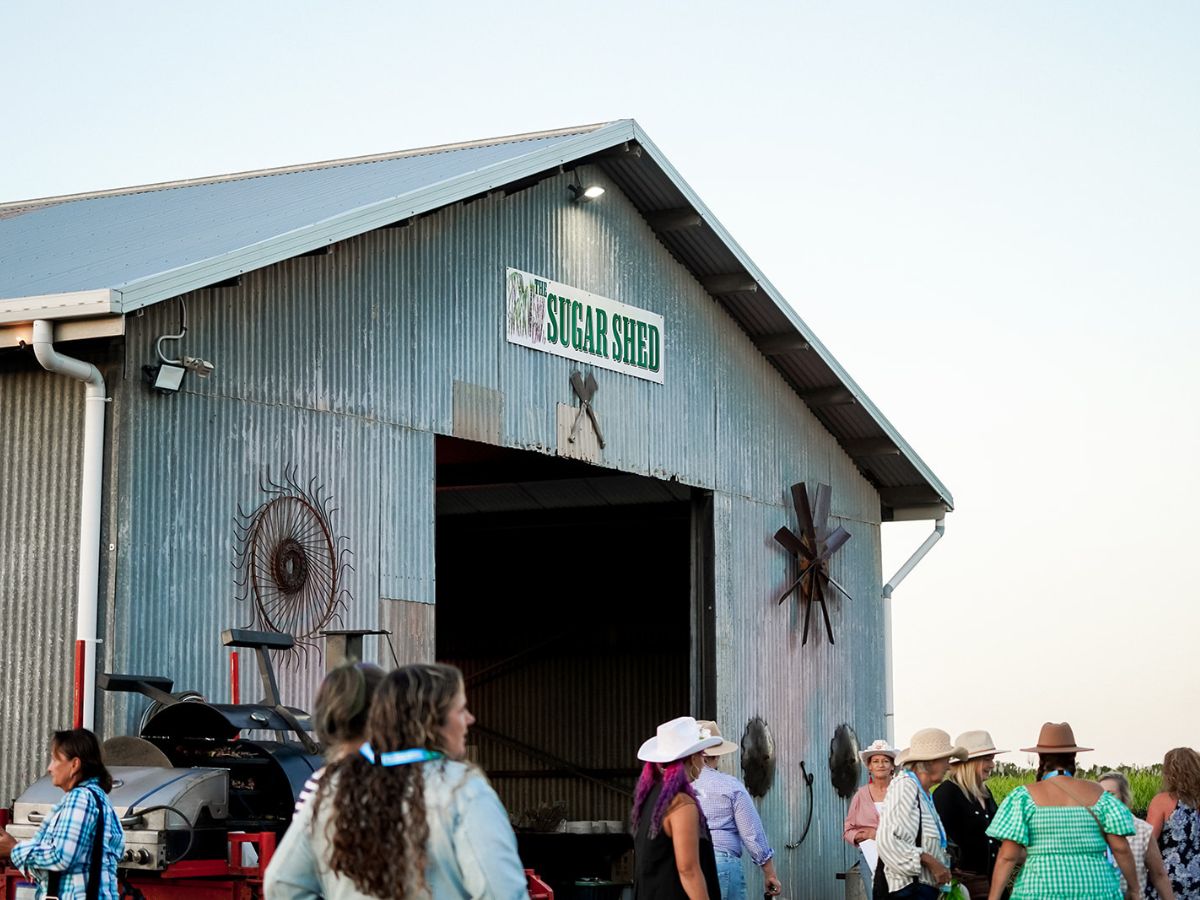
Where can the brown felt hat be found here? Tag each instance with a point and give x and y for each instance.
(1056, 737)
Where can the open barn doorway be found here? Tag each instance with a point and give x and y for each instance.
(577, 602)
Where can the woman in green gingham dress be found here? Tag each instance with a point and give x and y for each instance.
(1067, 828)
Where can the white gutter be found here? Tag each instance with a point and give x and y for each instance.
(939, 528)
(89, 513)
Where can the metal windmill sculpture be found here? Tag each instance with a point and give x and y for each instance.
(813, 547)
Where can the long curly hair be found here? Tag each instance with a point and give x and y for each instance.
(1181, 775)
(378, 830)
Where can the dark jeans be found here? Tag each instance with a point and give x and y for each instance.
(916, 892)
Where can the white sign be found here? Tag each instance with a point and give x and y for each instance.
(555, 318)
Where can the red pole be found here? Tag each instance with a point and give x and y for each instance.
(233, 677)
(80, 658)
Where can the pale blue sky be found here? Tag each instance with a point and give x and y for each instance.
(987, 211)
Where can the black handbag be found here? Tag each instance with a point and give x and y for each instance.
(97, 860)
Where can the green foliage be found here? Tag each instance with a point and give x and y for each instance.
(1144, 781)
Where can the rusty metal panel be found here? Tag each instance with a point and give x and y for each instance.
(803, 692)
(41, 433)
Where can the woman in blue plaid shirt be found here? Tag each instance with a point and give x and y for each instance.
(64, 844)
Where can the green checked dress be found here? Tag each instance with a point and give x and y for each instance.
(1067, 858)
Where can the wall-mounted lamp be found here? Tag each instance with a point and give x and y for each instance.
(585, 194)
(167, 376)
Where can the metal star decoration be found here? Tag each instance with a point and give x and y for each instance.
(813, 547)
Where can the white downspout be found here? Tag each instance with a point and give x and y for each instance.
(939, 528)
(89, 513)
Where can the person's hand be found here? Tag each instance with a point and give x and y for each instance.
(868, 834)
(772, 886)
(940, 873)
(7, 842)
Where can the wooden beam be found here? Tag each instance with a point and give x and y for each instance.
(664, 220)
(830, 396)
(870, 447)
(731, 283)
(779, 344)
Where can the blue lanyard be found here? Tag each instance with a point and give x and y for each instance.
(1056, 773)
(392, 758)
(933, 813)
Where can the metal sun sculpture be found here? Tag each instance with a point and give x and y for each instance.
(290, 565)
(813, 547)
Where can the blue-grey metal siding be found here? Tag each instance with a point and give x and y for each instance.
(345, 365)
(41, 429)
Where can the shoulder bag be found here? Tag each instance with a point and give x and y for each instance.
(97, 860)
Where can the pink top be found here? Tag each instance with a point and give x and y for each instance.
(862, 813)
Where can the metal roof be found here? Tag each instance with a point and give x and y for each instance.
(111, 252)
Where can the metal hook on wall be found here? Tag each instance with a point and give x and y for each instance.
(808, 780)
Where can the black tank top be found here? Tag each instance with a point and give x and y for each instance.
(655, 875)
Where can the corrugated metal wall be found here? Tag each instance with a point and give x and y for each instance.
(41, 430)
(344, 366)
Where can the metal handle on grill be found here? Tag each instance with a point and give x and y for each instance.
(36, 818)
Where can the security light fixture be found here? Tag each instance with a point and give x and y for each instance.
(167, 376)
(587, 194)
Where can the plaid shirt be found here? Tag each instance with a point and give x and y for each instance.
(732, 818)
(64, 844)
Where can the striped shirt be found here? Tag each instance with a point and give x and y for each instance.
(732, 818)
(906, 806)
(63, 843)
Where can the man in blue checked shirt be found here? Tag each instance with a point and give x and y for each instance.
(733, 821)
(65, 844)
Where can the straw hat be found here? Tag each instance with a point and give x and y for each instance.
(977, 744)
(879, 748)
(1056, 737)
(708, 728)
(929, 744)
(675, 740)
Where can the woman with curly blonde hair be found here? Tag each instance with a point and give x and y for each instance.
(404, 817)
(1174, 815)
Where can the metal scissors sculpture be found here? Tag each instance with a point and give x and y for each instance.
(585, 389)
(813, 547)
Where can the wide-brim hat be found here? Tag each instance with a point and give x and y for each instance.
(674, 740)
(929, 744)
(708, 728)
(1056, 737)
(879, 748)
(977, 744)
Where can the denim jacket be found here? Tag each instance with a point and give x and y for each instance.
(472, 851)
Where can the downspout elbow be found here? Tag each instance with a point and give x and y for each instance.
(53, 361)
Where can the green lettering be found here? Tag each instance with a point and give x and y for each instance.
(576, 331)
(629, 338)
(616, 347)
(641, 344)
(552, 326)
(601, 332)
(655, 351)
(564, 313)
(589, 335)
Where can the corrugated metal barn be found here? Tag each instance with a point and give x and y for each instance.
(392, 439)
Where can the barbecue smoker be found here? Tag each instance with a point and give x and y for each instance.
(201, 805)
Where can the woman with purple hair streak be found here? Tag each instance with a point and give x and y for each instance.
(674, 857)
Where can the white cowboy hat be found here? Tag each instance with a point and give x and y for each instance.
(929, 744)
(879, 748)
(674, 740)
(708, 728)
(977, 744)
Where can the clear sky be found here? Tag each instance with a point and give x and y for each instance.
(988, 212)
